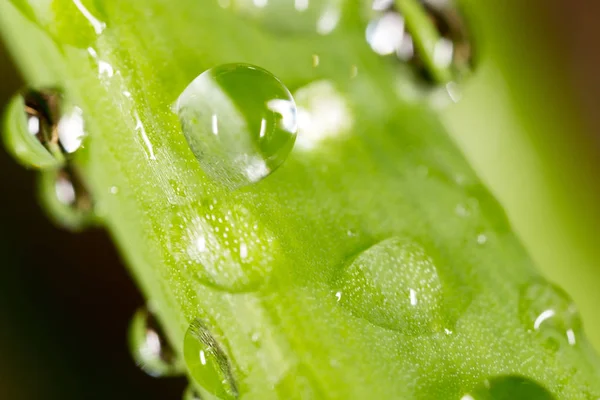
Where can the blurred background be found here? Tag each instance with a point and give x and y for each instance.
(66, 299)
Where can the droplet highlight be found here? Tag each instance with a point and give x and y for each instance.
(547, 311)
(207, 362)
(394, 284)
(149, 346)
(509, 388)
(66, 198)
(291, 16)
(239, 121)
(40, 130)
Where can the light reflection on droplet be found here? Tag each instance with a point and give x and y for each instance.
(139, 126)
(71, 130)
(98, 25)
(328, 21)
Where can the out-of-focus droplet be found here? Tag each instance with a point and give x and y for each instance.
(224, 247)
(509, 388)
(549, 312)
(150, 348)
(323, 113)
(394, 284)
(65, 197)
(207, 362)
(441, 51)
(239, 121)
(292, 16)
(40, 131)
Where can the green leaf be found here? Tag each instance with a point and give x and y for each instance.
(388, 171)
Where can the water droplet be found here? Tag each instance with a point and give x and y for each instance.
(40, 131)
(225, 248)
(430, 35)
(548, 311)
(149, 347)
(240, 122)
(66, 198)
(509, 388)
(394, 284)
(207, 362)
(292, 16)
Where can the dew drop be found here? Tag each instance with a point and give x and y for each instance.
(239, 121)
(66, 198)
(396, 285)
(509, 388)
(225, 249)
(430, 35)
(207, 362)
(40, 131)
(548, 311)
(149, 346)
(292, 16)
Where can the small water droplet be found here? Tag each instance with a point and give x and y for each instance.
(548, 311)
(509, 388)
(150, 348)
(396, 285)
(66, 198)
(240, 123)
(207, 362)
(292, 16)
(430, 35)
(40, 131)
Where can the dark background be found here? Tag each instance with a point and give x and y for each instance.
(66, 299)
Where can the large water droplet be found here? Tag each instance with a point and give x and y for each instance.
(548, 311)
(240, 122)
(40, 130)
(207, 362)
(429, 34)
(292, 16)
(150, 348)
(509, 388)
(66, 198)
(394, 284)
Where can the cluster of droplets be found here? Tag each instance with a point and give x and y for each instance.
(202, 355)
(429, 35)
(43, 131)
